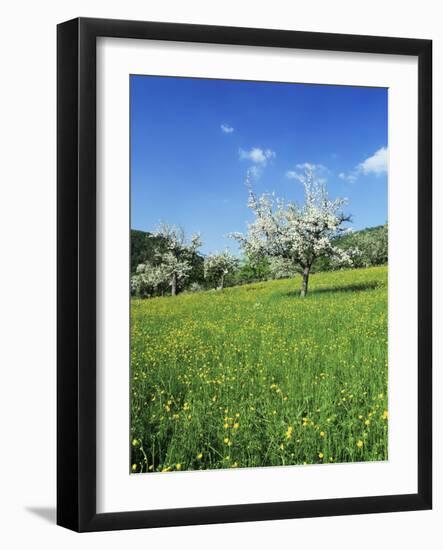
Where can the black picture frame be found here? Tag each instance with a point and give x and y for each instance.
(76, 266)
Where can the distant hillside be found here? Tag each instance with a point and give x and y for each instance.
(371, 242)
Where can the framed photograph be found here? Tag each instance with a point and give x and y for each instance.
(244, 274)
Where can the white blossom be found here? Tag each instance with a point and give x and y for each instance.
(281, 268)
(172, 266)
(148, 279)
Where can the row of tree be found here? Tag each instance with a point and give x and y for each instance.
(285, 239)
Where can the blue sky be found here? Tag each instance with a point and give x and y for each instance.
(193, 141)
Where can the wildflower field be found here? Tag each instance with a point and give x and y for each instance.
(257, 376)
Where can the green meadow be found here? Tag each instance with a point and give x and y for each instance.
(254, 375)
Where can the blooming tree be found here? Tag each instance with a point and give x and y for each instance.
(175, 262)
(298, 233)
(218, 265)
(148, 279)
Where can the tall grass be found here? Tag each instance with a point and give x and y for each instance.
(256, 376)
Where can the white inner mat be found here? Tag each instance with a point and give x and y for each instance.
(117, 490)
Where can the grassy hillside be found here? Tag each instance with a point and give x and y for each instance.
(256, 376)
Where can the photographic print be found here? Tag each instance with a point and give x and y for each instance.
(258, 274)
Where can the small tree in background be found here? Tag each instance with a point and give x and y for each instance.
(176, 270)
(177, 260)
(218, 265)
(299, 234)
(149, 280)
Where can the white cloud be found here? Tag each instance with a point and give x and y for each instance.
(226, 129)
(376, 164)
(319, 170)
(292, 175)
(257, 155)
(255, 171)
(351, 177)
(311, 166)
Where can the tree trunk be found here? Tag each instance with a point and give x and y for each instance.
(174, 285)
(222, 282)
(305, 281)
